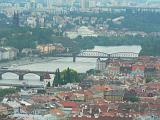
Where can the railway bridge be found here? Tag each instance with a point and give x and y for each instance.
(97, 54)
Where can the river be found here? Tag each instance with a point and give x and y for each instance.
(81, 64)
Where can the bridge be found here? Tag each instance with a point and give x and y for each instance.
(97, 54)
(21, 73)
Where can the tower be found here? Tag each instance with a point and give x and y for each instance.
(16, 19)
(84, 4)
(33, 4)
(49, 5)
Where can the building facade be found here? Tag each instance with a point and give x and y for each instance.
(100, 64)
(49, 48)
(8, 53)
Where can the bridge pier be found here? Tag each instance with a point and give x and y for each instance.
(0, 76)
(21, 77)
(74, 58)
(42, 78)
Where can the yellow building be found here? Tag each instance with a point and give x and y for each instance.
(49, 48)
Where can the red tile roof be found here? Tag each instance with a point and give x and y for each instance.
(155, 85)
(57, 112)
(74, 110)
(135, 67)
(69, 104)
(102, 87)
(101, 118)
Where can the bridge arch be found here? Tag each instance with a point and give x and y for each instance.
(9, 75)
(31, 76)
(22, 73)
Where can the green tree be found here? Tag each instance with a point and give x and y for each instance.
(93, 72)
(69, 76)
(130, 96)
(57, 79)
(148, 79)
(7, 91)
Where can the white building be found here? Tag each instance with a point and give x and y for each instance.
(5, 55)
(1, 52)
(12, 52)
(31, 21)
(40, 6)
(85, 31)
(41, 22)
(100, 64)
(8, 53)
(92, 3)
(71, 34)
(81, 31)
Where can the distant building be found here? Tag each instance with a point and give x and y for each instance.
(84, 4)
(125, 70)
(113, 69)
(85, 84)
(150, 72)
(114, 95)
(8, 53)
(26, 51)
(138, 70)
(5, 110)
(16, 19)
(31, 22)
(100, 64)
(147, 117)
(81, 31)
(92, 3)
(41, 22)
(71, 34)
(85, 31)
(49, 48)
(118, 20)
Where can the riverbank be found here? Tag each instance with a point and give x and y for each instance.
(26, 61)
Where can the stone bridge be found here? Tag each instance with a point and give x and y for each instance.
(21, 73)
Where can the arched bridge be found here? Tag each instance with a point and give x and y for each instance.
(97, 54)
(21, 73)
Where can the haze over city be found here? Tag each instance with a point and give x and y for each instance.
(79, 59)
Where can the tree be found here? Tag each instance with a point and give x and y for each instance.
(93, 71)
(148, 79)
(69, 76)
(57, 79)
(8, 91)
(16, 19)
(66, 76)
(130, 96)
